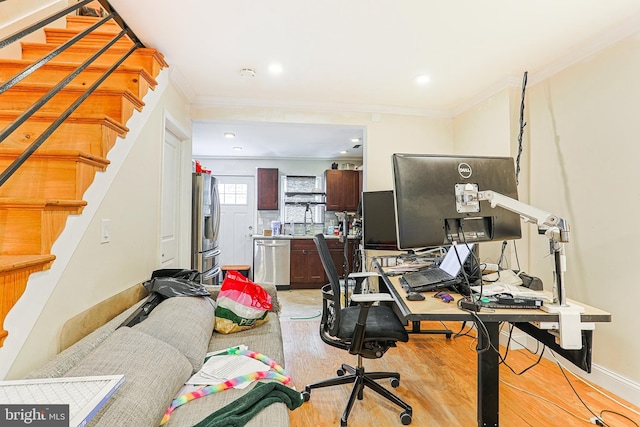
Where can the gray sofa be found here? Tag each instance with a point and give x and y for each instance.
(158, 355)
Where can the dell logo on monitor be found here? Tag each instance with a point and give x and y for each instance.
(464, 170)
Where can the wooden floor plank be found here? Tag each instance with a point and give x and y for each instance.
(438, 379)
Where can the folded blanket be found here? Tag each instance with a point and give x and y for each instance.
(239, 412)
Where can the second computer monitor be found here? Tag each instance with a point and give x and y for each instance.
(379, 220)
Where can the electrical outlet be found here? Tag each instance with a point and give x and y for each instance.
(105, 231)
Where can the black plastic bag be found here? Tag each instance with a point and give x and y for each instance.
(165, 284)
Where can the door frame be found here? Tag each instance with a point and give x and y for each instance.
(183, 219)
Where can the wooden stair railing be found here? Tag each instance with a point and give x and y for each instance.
(36, 198)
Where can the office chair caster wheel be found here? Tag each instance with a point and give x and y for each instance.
(340, 372)
(405, 418)
(395, 382)
(306, 395)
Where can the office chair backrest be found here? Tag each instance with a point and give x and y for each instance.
(334, 280)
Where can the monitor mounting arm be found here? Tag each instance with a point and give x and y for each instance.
(555, 228)
(557, 231)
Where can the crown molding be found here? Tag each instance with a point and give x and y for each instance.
(212, 101)
(578, 54)
(495, 88)
(181, 83)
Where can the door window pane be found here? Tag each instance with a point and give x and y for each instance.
(233, 194)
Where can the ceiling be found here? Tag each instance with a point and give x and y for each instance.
(361, 56)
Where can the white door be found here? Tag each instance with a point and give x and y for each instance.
(237, 212)
(169, 221)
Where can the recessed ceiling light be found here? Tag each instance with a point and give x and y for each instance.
(237, 148)
(275, 68)
(343, 152)
(229, 135)
(422, 79)
(247, 72)
(355, 139)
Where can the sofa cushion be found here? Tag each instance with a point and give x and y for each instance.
(59, 365)
(154, 372)
(186, 323)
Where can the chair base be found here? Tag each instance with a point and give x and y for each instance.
(360, 380)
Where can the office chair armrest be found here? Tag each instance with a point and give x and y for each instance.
(358, 298)
(359, 277)
(362, 274)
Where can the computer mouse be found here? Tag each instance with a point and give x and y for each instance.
(415, 296)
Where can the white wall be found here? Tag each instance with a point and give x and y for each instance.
(15, 15)
(584, 152)
(93, 271)
(579, 162)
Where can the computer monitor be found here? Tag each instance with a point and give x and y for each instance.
(379, 221)
(429, 190)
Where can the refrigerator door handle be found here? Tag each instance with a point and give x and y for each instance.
(216, 210)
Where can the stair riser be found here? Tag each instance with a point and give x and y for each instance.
(112, 104)
(81, 22)
(92, 138)
(95, 38)
(50, 179)
(140, 58)
(31, 231)
(120, 79)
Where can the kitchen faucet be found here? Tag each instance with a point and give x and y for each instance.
(311, 225)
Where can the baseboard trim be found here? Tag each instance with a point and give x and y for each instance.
(601, 376)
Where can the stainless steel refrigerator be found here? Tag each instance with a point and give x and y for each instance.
(205, 228)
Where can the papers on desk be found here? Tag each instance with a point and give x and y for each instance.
(515, 290)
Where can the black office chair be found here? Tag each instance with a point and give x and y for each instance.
(365, 330)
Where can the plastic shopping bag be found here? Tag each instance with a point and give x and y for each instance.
(241, 304)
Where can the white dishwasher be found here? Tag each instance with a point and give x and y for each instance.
(271, 262)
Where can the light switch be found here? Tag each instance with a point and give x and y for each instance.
(105, 233)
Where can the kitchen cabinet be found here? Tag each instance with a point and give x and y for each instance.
(267, 189)
(307, 271)
(343, 189)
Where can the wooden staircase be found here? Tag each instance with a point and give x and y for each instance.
(36, 201)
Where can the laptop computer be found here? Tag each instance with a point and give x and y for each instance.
(439, 276)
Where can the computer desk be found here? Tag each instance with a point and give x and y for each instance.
(488, 361)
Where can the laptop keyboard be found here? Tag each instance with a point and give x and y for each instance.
(425, 277)
(436, 275)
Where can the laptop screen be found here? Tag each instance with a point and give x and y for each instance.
(451, 264)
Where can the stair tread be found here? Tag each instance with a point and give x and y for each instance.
(25, 201)
(114, 49)
(57, 154)
(14, 262)
(50, 117)
(99, 31)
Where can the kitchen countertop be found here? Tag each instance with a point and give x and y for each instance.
(289, 237)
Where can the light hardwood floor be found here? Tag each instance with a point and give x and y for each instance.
(438, 379)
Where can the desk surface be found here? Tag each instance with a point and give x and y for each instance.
(436, 309)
